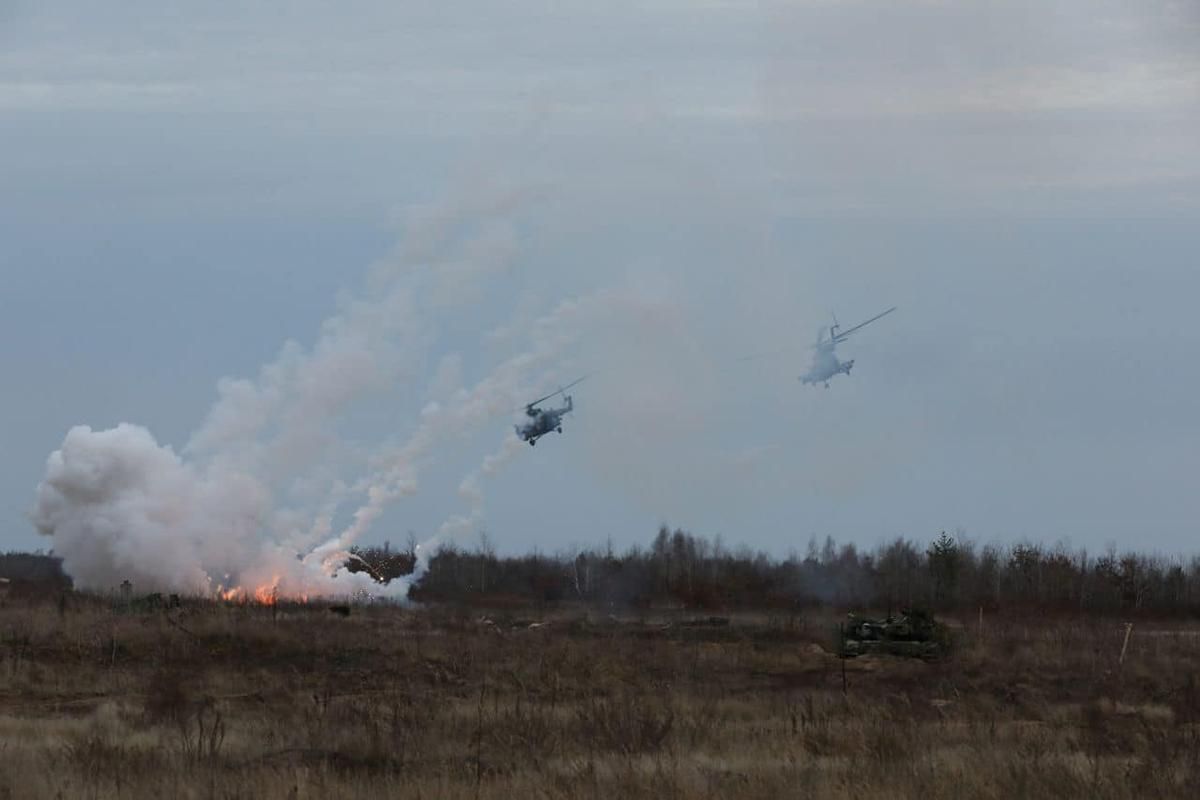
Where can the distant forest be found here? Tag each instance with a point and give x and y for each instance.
(950, 574)
(680, 570)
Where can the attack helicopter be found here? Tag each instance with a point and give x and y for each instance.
(543, 420)
(825, 363)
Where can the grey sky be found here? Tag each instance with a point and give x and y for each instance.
(189, 185)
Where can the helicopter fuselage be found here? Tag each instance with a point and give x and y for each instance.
(825, 363)
(824, 371)
(542, 421)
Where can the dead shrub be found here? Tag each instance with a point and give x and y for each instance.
(168, 697)
(625, 724)
(174, 700)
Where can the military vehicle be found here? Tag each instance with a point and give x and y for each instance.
(825, 362)
(544, 420)
(913, 633)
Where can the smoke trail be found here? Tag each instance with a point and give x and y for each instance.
(567, 327)
(471, 492)
(270, 489)
(395, 474)
(261, 479)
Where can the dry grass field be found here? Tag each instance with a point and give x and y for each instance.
(98, 700)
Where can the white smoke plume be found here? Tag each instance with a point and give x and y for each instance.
(122, 507)
(471, 492)
(263, 480)
(497, 395)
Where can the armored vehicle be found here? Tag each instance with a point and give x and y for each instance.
(913, 633)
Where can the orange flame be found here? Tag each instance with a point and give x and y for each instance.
(266, 595)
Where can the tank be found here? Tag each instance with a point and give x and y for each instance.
(913, 633)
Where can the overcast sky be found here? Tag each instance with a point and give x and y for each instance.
(187, 186)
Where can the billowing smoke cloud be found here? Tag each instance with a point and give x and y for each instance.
(252, 500)
(120, 506)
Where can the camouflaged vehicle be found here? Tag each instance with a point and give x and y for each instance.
(914, 633)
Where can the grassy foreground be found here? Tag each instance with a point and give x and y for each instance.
(219, 701)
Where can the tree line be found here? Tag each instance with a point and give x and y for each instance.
(679, 569)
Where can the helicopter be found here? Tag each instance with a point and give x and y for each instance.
(543, 420)
(825, 363)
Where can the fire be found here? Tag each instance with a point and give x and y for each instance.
(266, 595)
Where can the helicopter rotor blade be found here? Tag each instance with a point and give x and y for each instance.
(560, 390)
(843, 335)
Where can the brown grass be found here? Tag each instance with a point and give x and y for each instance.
(212, 701)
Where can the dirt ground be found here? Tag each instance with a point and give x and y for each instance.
(103, 699)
